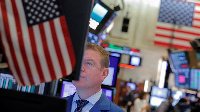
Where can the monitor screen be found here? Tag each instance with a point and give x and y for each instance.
(132, 85)
(109, 93)
(135, 61)
(115, 54)
(67, 89)
(182, 78)
(98, 12)
(177, 95)
(179, 60)
(156, 101)
(195, 78)
(16, 101)
(101, 17)
(93, 38)
(159, 92)
(110, 80)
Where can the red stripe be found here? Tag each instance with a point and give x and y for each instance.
(177, 38)
(57, 48)
(8, 35)
(197, 4)
(35, 54)
(173, 45)
(176, 30)
(196, 19)
(195, 26)
(68, 40)
(46, 52)
(198, 12)
(21, 42)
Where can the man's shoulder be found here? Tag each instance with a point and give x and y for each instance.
(115, 108)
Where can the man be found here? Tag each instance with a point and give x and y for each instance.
(94, 71)
(129, 98)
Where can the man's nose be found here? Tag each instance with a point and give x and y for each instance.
(82, 68)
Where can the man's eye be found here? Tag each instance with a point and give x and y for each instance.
(89, 63)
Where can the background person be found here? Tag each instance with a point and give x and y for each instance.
(94, 70)
(140, 104)
(129, 99)
(182, 106)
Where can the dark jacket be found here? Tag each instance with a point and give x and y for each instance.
(102, 105)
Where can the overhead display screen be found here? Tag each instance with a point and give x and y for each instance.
(195, 78)
(179, 60)
(182, 78)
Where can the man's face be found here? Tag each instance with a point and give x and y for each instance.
(92, 75)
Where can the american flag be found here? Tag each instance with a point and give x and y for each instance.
(36, 40)
(180, 19)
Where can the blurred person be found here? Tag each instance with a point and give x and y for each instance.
(89, 96)
(166, 106)
(197, 106)
(140, 104)
(182, 106)
(129, 99)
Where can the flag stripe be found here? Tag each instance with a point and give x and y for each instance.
(8, 35)
(6, 48)
(40, 51)
(27, 43)
(177, 30)
(58, 50)
(167, 36)
(36, 58)
(21, 41)
(16, 45)
(46, 51)
(51, 48)
(173, 45)
(67, 40)
(177, 42)
(62, 44)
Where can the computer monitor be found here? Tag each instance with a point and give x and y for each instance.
(16, 101)
(182, 78)
(67, 89)
(109, 92)
(179, 60)
(156, 101)
(115, 54)
(131, 85)
(159, 92)
(135, 61)
(101, 17)
(195, 79)
(177, 95)
(111, 79)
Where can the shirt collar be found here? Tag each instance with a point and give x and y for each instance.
(92, 99)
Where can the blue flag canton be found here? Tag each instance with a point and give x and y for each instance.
(177, 12)
(39, 11)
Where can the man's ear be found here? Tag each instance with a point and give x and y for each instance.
(105, 73)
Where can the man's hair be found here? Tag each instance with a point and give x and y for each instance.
(103, 53)
(142, 94)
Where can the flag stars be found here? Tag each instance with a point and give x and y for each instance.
(49, 8)
(29, 14)
(38, 8)
(44, 18)
(41, 3)
(41, 10)
(30, 3)
(27, 7)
